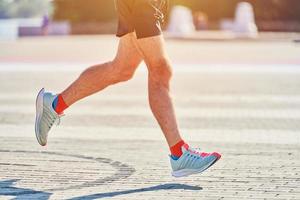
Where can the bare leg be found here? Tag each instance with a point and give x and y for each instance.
(154, 55)
(100, 76)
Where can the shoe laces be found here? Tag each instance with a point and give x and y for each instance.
(197, 152)
(53, 118)
(58, 119)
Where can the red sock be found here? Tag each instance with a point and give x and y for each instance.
(176, 149)
(60, 104)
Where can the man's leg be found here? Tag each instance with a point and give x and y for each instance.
(159, 68)
(92, 80)
(100, 76)
(184, 159)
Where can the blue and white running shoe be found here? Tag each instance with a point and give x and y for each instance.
(45, 116)
(192, 162)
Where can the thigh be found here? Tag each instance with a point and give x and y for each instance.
(128, 56)
(153, 51)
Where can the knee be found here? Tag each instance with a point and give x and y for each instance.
(124, 73)
(124, 76)
(160, 71)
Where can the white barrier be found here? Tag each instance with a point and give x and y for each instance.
(8, 30)
(181, 21)
(244, 24)
(11, 29)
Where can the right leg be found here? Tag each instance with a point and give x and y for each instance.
(100, 76)
(89, 82)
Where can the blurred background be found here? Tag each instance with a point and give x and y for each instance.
(236, 90)
(64, 17)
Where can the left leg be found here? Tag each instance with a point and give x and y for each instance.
(159, 77)
(184, 160)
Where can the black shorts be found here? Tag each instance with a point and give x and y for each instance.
(144, 17)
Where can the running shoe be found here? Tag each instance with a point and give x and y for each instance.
(45, 116)
(192, 161)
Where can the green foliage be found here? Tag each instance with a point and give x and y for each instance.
(264, 9)
(104, 10)
(4, 8)
(84, 10)
(23, 8)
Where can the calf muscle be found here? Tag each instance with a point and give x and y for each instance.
(98, 77)
(160, 73)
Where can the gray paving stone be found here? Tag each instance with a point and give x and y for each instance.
(121, 156)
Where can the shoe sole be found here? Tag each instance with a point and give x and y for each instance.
(39, 113)
(187, 172)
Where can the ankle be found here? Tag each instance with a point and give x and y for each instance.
(59, 105)
(176, 150)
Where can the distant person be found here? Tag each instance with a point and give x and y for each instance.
(140, 35)
(200, 21)
(45, 25)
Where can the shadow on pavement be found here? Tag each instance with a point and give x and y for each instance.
(169, 186)
(6, 189)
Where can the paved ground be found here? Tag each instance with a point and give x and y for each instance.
(90, 49)
(109, 146)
